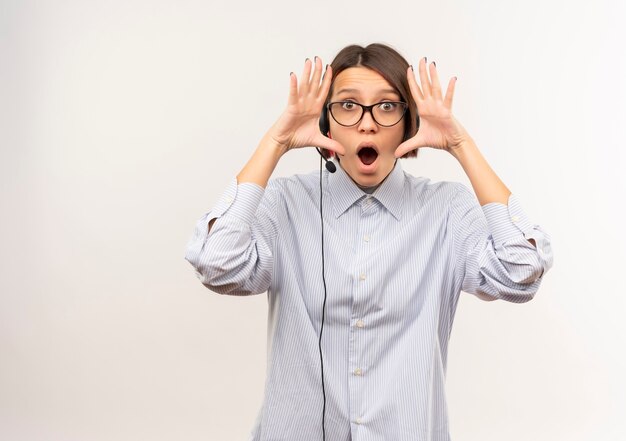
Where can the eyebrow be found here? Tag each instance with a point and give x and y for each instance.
(358, 91)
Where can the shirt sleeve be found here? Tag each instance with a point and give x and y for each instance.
(235, 257)
(493, 257)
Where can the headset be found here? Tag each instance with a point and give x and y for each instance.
(332, 168)
(325, 129)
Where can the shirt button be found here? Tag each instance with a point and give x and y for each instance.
(362, 276)
(229, 200)
(360, 324)
(515, 218)
(358, 372)
(366, 238)
(358, 421)
(540, 251)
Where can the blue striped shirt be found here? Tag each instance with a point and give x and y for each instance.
(396, 262)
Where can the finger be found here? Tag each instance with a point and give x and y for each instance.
(435, 85)
(326, 82)
(330, 144)
(425, 82)
(305, 79)
(317, 74)
(413, 86)
(293, 88)
(450, 93)
(407, 146)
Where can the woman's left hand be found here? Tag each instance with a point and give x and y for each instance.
(438, 129)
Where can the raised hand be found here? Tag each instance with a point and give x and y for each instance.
(298, 126)
(438, 127)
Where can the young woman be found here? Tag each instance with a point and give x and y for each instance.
(364, 266)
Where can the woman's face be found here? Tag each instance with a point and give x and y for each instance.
(370, 148)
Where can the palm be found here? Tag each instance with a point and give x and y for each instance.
(438, 127)
(298, 126)
(306, 124)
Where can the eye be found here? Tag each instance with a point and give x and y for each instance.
(347, 105)
(388, 107)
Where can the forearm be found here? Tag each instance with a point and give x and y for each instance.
(260, 166)
(486, 184)
(262, 163)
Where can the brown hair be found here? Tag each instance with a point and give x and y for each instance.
(391, 66)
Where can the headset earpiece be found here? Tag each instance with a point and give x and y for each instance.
(324, 125)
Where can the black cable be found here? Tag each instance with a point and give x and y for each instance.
(323, 310)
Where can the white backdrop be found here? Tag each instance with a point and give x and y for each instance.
(121, 123)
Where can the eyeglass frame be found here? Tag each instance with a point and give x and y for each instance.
(369, 108)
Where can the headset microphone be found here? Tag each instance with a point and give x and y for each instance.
(330, 165)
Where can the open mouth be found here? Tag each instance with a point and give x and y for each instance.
(367, 155)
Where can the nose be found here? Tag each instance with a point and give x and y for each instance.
(367, 123)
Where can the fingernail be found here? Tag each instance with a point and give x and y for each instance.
(315, 59)
(306, 59)
(326, 67)
(411, 66)
(425, 60)
(434, 64)
(455, 78)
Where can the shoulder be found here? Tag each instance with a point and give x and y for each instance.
(294, 186)
(296, 182)
(425, 188)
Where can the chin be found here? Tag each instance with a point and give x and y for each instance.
(368, 180)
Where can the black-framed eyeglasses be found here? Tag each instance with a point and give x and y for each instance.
(350, 113)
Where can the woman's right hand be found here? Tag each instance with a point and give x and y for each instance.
(298, 126)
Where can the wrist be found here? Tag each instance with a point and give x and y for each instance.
(261, 165)
(466, 146)
(271, 146)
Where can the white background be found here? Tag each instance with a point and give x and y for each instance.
(121, 123)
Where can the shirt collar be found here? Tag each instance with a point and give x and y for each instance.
(344, 192)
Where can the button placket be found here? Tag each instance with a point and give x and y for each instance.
(364, 244)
